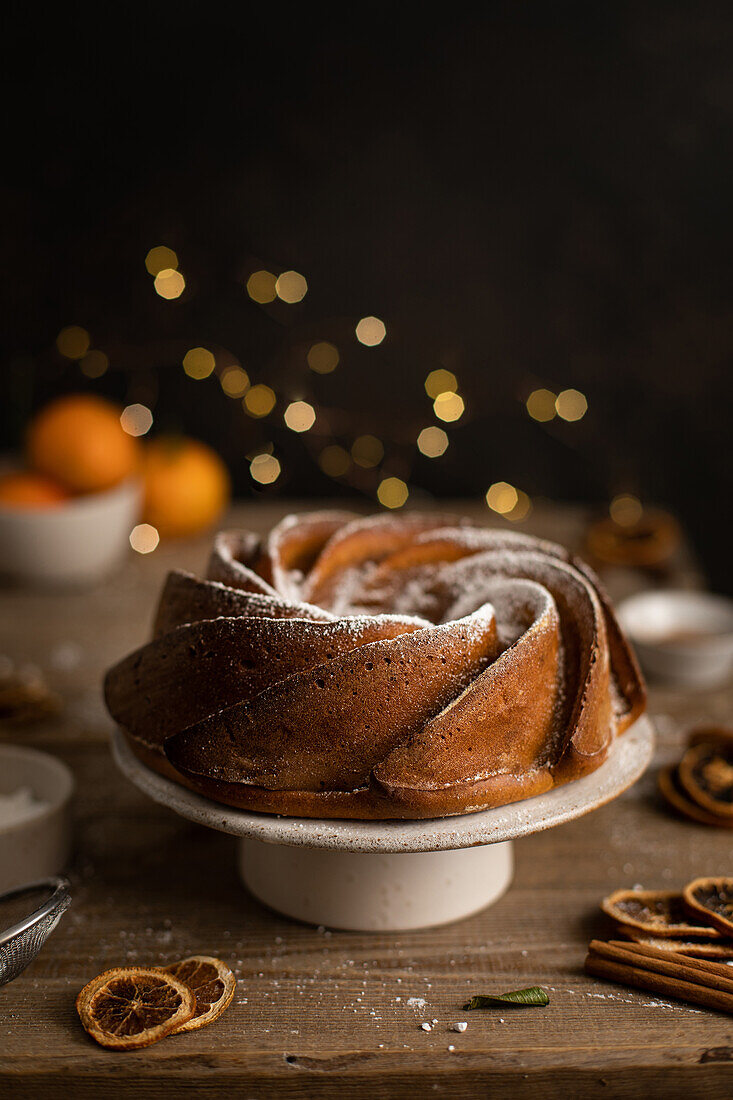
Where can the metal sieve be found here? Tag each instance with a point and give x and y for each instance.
(21, 942)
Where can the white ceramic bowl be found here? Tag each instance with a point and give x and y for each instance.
(681, 637)
(39, 846)
(75, 543)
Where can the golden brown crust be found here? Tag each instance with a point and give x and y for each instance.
(388, 667)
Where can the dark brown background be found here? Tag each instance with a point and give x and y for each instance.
(539, 195)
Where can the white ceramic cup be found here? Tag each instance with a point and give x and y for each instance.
(681, 637)
(38, 846)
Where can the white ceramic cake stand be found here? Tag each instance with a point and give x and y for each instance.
(391, 875)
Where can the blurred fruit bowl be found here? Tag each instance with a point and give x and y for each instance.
(72, 541)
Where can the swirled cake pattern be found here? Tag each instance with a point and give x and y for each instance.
(383, 667)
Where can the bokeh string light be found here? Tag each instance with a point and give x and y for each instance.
(265, 469)
(259, 401)
(73, 342)
(335, 437)
(199, 363)
(234, 381)
(136, 420)
(370, 331)
(541, 405)
(392, 492)
(449, 406)
(291, 287)
(169, 283)
(323, 357)
(299, 416)
(144, 538)
(626, 510)
(507, 501)
(367, 451)
(571, 405)
(262, 287)
(94, 364)
(432, 442)
(161, 258)
(440, 381)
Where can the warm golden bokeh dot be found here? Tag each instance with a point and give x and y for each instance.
(626, 510)
(144, 538)
(234, 381)
(198, 363)
(299, 416)
(291, 287)
(571, 405)
(502, 497)
(169, 283)
(448, 407)
(136, 419)
(541, 405)
(260, 400)
(440, 381)
(367, 451)
(160, 259)
(370, 331)
(392, 492)
(521, 509)
(432, 442)
(323, 357)
(334, 460)
(265, 469)
(94, 364)
(262, 287)
(73, 342)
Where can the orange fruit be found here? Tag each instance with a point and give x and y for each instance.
(186, 486)
(79, 441)
(212, 983)
(133, 1006)
(23, 490)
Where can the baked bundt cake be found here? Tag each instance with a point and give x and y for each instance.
(387, 667)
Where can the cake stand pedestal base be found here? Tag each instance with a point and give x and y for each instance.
(375, 891)
(389, 876)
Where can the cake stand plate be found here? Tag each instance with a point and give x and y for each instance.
(391, 875)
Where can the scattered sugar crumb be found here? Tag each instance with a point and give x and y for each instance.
(459, 1025)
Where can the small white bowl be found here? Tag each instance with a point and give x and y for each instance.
(38, 846)
(681, 637)
(77, 542)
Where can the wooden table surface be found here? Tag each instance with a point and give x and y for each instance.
(321, 1014)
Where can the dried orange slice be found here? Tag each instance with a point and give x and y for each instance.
(706, 735)
(701, 949)
(133, 1006)
(706, 773)
(674, 793)
(212, 984)
(656, 912)
(712, 898)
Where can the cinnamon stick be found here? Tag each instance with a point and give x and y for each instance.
(663, 962)
(707, 965)
(624, 974)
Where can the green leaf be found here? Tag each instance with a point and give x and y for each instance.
(518, 998)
